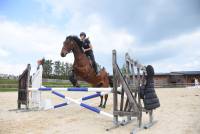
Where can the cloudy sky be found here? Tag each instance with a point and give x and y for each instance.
(164, 33)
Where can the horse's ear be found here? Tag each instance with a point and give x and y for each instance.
(69, 37)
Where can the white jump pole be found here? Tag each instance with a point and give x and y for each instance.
(74, 89)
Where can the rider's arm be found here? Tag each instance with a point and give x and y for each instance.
(90, 46)
(88, 49)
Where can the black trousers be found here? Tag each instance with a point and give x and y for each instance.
(91, 56)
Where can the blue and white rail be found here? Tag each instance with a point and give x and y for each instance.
(96, 110)
(59, 105)
(74, 89)
(98, 94)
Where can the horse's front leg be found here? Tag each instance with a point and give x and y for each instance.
(73, 79)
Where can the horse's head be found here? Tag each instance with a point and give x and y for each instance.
(68, 45)
(71, 43)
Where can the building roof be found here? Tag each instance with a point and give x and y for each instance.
(179, 73)
(188, 72)
(161, 74)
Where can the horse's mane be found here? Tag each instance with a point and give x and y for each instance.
(77, 40)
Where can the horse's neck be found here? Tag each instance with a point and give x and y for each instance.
(78, 54)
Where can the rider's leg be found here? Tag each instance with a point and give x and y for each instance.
(91, 55)
(89, 59)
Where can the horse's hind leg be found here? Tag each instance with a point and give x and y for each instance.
(105, 101)
(73, 79)
(101, 102)
(103, 105)
(101, 97)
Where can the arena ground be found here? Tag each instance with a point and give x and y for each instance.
(179, 114)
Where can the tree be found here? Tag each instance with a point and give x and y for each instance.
(62, 69)
(68, 67)
(47, 68)
(57, 68)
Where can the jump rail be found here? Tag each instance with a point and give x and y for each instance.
(81, 89)
(68, 101)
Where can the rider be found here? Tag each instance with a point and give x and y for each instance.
(87, 47)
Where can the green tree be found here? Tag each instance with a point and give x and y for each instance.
(57, 68)
(47, 68)
(62, 69)
(68, 68)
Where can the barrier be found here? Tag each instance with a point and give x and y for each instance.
(68, 99)
(129, 85)
(59, 105)
(81, 89)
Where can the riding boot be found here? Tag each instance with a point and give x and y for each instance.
(95, 68)
(94, 65)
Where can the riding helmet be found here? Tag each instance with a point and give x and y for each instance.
(83, 33)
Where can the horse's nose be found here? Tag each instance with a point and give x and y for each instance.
(62, 54)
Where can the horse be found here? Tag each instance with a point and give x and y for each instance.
(82, 67)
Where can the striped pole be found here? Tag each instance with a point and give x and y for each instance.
(81, 89)
(80, 100)
(82, 104)
(60, 105)
(90, 96)
(98, 94)
(56, 106)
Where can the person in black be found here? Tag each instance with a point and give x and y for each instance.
(87, 47)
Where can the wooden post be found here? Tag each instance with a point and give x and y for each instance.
(23, 94)
(115, 99)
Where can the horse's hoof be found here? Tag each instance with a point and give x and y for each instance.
(100, 105)
(77, 85)
(103, 106)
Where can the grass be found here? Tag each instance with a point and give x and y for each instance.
(8, 81)
(55, 84)
(8, 89)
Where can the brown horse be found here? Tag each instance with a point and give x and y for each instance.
(82, 67)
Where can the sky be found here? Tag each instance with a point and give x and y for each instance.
(163, 33)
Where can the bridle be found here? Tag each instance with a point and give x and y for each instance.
(64, 45)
